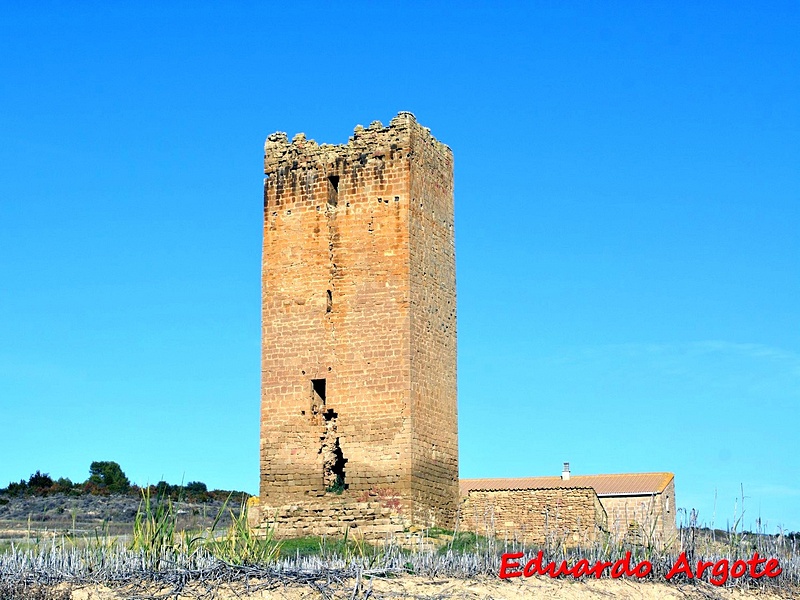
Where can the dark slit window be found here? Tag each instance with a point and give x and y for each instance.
(318, 389)
(333, 189)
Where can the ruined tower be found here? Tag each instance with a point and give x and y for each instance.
(358, 396)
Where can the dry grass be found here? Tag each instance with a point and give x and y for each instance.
(174, 561)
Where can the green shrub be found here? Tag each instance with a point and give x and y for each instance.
(108, 475)
(40, 483)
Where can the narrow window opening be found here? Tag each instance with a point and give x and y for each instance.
(333, 461)
(333, 189)
(667, 504)
(317, 396)
(329, 304)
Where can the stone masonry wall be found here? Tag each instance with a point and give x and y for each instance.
(434, 441)
(644, 518)
(370, 520)
(347, 397)
(535, 516)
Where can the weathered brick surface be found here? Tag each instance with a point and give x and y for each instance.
(573, 516)
(358, 277)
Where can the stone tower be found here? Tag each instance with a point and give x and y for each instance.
(358, 396)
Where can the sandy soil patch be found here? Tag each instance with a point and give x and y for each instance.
(419, 588)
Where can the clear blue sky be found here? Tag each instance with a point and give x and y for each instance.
(628, 229)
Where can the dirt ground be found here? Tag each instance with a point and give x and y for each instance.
(420, 588)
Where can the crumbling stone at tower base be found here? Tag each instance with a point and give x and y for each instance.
(369, 521)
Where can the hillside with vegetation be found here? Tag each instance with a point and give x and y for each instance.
(106, 502)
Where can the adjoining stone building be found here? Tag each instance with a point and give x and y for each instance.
(575, 509)
(358, 394)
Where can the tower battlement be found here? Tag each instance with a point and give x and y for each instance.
(381, 142)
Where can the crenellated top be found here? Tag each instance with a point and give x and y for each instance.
(365, 143)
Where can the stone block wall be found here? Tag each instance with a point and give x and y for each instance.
(642, 518)
(358, 324)
(434, 426)
(334, 518)
(573, 516)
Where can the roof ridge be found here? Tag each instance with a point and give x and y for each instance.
(605, 484)
(572, 475)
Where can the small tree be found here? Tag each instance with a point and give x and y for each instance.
(40, 483)
(164, 490)
(196, 487)
(64, 485)
(197, 490)
(17, 489)
(108, 474)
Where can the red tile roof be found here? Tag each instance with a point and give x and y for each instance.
(621, 484)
